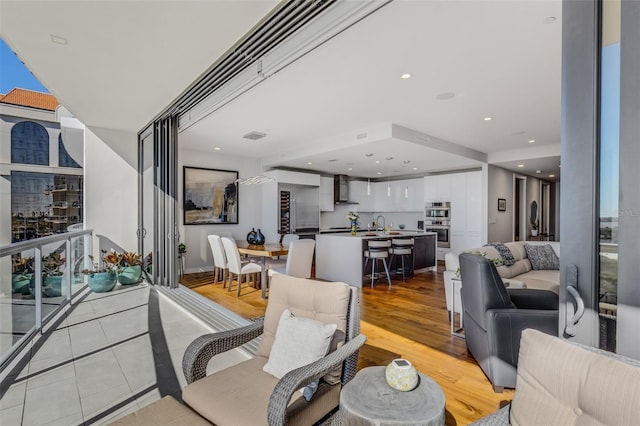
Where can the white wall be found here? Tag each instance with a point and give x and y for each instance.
(250, 204)
(500, 185)
(111, 191)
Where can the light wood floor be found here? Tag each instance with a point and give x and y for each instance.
(408, 320)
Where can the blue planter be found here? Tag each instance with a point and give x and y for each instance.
(20, 283)
(130, 275)
(52, 286)
(102, 282)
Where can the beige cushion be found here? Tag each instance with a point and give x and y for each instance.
(298, 342)
(561, 384)
(239, 395)
(323, 301)
(541, 280)
(166, 411)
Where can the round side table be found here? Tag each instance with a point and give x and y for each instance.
(368, 400)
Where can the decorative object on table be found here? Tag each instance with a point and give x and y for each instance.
(502, 204)
(22, 274)
(130, 267)
(251, 236)
(182, 248)
(401, 375)
(534, 218)
(353, 217)
(401, 226)
(260, 239)
(210, 196)
(102, 277)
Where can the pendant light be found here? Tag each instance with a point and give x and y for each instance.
(388, 189)
(368, 186)
(406, 191)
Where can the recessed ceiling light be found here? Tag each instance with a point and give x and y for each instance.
(406, 161)
(309, 163)
(487, 119)
(521, 165)
(405, 76)
(550, 19)
(532, 140)
(377, 161)
(415, 168)
(538, 171)
(350, 168)
(58, 40)
(389, 158)
(217, 148)
(445, 96)
(369, 154)
(552, 175)
(379, 173)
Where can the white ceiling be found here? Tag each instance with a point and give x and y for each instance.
(500, 59)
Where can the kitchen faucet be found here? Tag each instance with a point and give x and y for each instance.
(378, 222)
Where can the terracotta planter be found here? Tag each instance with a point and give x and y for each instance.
(130, 275)
(102, 282)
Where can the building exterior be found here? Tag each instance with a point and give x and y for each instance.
(41, 159)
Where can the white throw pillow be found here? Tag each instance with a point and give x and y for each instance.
(298, 342)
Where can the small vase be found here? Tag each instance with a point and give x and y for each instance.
(354, 227)
(251, 236)
(259, 238)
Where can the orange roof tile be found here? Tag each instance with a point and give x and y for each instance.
(29, 98)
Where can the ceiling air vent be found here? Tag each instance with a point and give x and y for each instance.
(254, 136)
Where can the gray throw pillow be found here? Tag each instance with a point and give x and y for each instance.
(542, 257)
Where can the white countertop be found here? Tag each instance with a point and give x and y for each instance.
(363, 234)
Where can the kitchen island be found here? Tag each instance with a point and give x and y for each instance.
(340, 257)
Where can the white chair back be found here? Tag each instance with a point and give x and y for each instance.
(233, 255)
(289, 238)
(219, 258)
(300, 258)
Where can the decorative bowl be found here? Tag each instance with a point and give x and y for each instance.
(401, 226)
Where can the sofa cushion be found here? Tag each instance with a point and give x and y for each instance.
(326, 302)
(222, 397)
(541, 280)
(298, 342)
(542, 257)
(166, 411)
(505, 253)
(559, 383)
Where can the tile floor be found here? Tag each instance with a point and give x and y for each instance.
(100, 364)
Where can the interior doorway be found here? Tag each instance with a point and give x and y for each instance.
(519, 208)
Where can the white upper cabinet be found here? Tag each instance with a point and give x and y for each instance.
(358, 193)
(458, 203)
(326, 194)
(474, 203)
(406, 195)
(415, 194)
(382, 201)
(437, 188)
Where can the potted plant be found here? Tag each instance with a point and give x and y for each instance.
(102, 277)
(353, 216)
(130, 268)
(22, 274)
(534, 227)
(52, 274)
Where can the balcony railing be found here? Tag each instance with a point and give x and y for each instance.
(38, 278)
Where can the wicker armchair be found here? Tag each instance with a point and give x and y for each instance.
(244, 394)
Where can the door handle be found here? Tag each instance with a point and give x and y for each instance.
(572, 290)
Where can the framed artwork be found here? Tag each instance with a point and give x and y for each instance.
(502, 204)
(210, 196)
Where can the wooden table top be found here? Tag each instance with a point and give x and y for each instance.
(267, 250)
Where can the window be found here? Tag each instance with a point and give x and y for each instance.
(29, 144)
(64, 159)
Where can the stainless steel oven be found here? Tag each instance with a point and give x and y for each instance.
(442, 229)
(439, 210)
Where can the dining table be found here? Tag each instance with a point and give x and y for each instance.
(263, 251)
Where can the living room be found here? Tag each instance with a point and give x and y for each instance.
(434, 112)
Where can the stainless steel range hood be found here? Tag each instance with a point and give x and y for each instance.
(341, 190)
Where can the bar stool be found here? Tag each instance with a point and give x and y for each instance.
(377, 250)
(402, 247)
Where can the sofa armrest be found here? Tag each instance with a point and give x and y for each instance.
(525, 298)
(200, 351)
(300, 377)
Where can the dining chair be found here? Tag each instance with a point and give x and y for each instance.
(299, 260)
(220, 266)
(236, 266)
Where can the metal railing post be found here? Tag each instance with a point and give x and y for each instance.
(68, 271)
(38, 286)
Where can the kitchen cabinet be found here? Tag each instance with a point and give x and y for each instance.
(358, 193)
(415, 200)
(382, 201)
(424, 251)
(466, 210)
(437, 188)
(326, 194)
(390, 196)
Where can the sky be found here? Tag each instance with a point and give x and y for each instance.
(14, 73)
